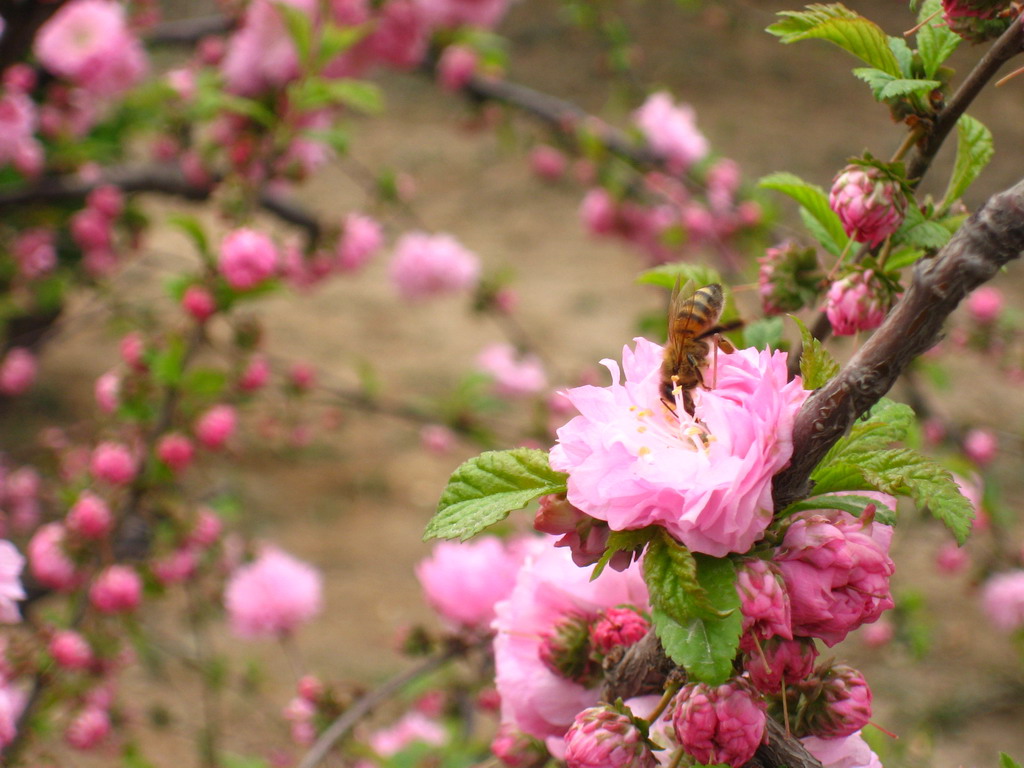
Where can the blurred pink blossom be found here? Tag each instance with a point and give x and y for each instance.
(1002, 599)
(413, 727)
(12, 702)
(48, 562)
(11, 591)
(361, 237)
(199, 303)
(437, 438)
(981, 446)
(951, 559)
(175, 450)
(985, 305)
(113, 462)
(671, 130)
(256, 374)
(215, 426)
(17, 371)
(844, 752)
(455, 13)
(247, 258)
(89, 728)
(456, 67)
(632, 462)
(261, 54)
(18, 145)
(428, 265)
(176, 567)
(117, 589)
(89, 517)
(70, 650)
(35, 251)
(272, 595)
(464, 581)
(514, 374)
(107, 391)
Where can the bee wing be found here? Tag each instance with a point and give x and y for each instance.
(680, 305)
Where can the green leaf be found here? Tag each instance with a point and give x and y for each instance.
(921, 232)
(935, 40)
(839, 476)
(848, 502)
(207, 383)
(300, 28)
(193, 229)
(334, 40)
(486, 488)
(907, 86)
(814, 200)
(819, 233)
(246, 107)
(666, 275)
(763, 334)
(839, 25)
(167, 365)
(974, 150)
(705, 646)
(1005, 761)
(904, 56)
(623, 541)
(875, 78)
(359, 95)
(670, 570)
(901, 258)
(817, 366)
(886, 423)
(905, 472)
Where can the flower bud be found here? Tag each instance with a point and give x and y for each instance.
(90, 517)
(857, 302)
(70, 650)
(618, 628)
(978, 20)
(1002, 599)
(870, 203)
(604, 737)
(516, 749)
(981, 446)
(566, 651)
(199, 303)
(780, 661)
(985, 305)
(723, 724)
(113, 462)
(117, 589)
(839, 705)
(175, 450)
(88, 729)
(763, 600)
(789, 278)
(215, 427)
(17, 371)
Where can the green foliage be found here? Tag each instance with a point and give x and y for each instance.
(666, 275)
(817, 366)
(920, 231)
(168, 364)
(1005, 761)
(486, 488)
(852, 503)
(705, 644)
(821, 220)
(886, 88)
(935, 40)
(764, 334)
(670, 570)
(974, 150)
(839, 25)
(316, 93)
(623, 541)
(192, 229)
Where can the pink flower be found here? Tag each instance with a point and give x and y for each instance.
(632, 462)
(247, 258)
(255, 375)
(1002, 599)
(858, 302)
(437, 438)
(107, 391)
(428, 265)
(35, 252)
(985, 305)
(671, 130)
(261, 54)
(843, 705)
(413, 727)
(599, 212)
(456, 67)
(454, 13)
(464, 581)
(18, 145)
(763, 600)
(400, 35)
(70, 650)
(11, 591)
(133, 350)
(12, 702)
(550, 589)
(272, 595)
(951, 559)
(879, 634)
(723, 724)
(870, 203)
(176, 567)
(92, 231)
(117, 589)
(113, 462)
(17, 371)
(547, 162)
(89, 728)
(215, 426)
(361, 237)
(779, 661)
(199, 303)
(90, 517)
(514, 374)
(89, 43)
(981, 446)
(207, 530)
(107, 199)
(516, 749)
(603, 737)
(837, 571)
(618, 628)
(845, 752)
(302, 376)
(48, 562)
(175, 450)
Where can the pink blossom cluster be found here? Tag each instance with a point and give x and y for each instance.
(92, 229)
(869, 202)
(413, 727)
(719, 724)
(301, 711)
(273, 595)
(89, 43)
(426, 265)
(671, 131)
(604, 737)
(35, 252)
(247, 259)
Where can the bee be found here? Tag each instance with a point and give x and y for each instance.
(691, 321)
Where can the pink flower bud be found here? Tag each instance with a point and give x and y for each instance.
(273, 595)
(35, 252)
(788, 278)
(361, 238)
(132, 348)
(456, 67)
(977, 20)
(302, 376)
(840, 705)
(107, 391)
(566, 651)
(618, 628)
(763, 600)
(117, 589)
(985, 305)
(175, 450)
(951, 559)
(19, 77)
(17, 371)
(216, 426)
(869, 202)
(779, 661)
(430, 265)
(514, 374)
(106, 199)
(113, 462)
(48, 562)
(719, 725)
(88, 729)
(437, 438)
(516, 749)
(255, 375)
(879, 634)
(671, 130)
(90, 517)
(199, 303)
(1002, 599)
(91, 230)
(310, 688)
(981, 446)
(176, 567)
(604, 737)
(858, 302)
(247, 258)
(207, 530)
(599, 212)
(547, 162)
(70, 650)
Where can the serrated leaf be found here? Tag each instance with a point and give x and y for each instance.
(875, 78)
(705, 648)
(763, 334)
(905, 87)
(886, 423)
(670, 570)
(486, 488)
(839, 476)
(904, 56)
(814, 200)
(819, 233)
(901, 258)
(817, 366)
(935, 40)
(905, 472)
(623, 541)
(921, 233)
(974, 150)
(839, 25)
(1005, 761)
(852, 503)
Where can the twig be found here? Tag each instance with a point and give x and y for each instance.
(993, 236)
(351, 716)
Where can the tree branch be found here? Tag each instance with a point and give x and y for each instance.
(993, 236)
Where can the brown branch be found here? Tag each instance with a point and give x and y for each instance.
(993, 236)
(186, 32)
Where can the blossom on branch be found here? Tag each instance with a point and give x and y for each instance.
(632, 462)
(272, 595)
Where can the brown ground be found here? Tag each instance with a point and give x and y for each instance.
(356, 505)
